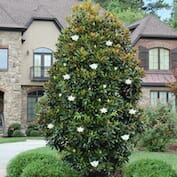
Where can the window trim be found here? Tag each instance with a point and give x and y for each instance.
(5, 69)
(158, 48)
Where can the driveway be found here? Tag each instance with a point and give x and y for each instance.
(10, 150)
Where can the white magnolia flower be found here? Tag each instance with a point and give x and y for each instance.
(80, 129)
(94, 163)
(75, 37)
(66, 77)
(109, 43)
(104, 86)
(94, 65)
(71, 98)
(50, 126)
(64, 64)
(125, 137)
(115, 68)
(128, 81)
(59, 94)
(103, 110)
(132, 111)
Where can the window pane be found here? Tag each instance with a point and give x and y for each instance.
(153, 59)
(37, 65)
(3, 58)
(47, 64)
(31, 103)
(153, 97)
(42, 50)
(164, 59)
(163, 97)
(172, 100)
(31, 107)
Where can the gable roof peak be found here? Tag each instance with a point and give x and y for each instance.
(151, 27)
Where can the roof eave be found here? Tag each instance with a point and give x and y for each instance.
(153, 37)
(55, 20)
(4, 28)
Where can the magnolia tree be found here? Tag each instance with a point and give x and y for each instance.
(89, 109)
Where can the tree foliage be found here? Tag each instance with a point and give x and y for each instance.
(129, 11)
(90, 109)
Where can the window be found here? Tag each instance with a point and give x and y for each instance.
(31, 103)
(158, 59)
(3, 59)
(42, 62)
(162, 97)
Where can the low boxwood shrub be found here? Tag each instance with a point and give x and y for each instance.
(33, 130)
(16, 166)
(35, 133)
(49, 167)
(18, 133)
(159, 128)
(12, 128)
(149, 168)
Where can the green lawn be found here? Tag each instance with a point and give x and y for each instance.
(17, 139)
(170, 158)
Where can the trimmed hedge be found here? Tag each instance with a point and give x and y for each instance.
(20, 162)
(18, 133)
(12, 128)
(48, 168)
(149, 168)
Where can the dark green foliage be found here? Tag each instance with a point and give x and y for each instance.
(160, 127)
(89, 109)
(48, 167)
(33, 130)
(149, 168)
(20, 162)
(35, 133)
(12, 128)
(18, 133)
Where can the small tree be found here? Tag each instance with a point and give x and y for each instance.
(89, 110)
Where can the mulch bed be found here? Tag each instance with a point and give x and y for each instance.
(172, 148)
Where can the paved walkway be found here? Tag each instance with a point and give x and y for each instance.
(10, 150)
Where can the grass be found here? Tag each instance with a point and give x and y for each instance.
(169, 158)
(18, 139)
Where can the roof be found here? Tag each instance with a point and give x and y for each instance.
(151, 27)
(158, 79)
(20, 13)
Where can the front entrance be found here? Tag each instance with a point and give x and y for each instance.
(1, 110)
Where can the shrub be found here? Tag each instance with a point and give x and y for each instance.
(33, 130)
(160, 127)
(49, 167)
(12, 128)
(89, 109)
(16, 166)
(149, 168)
(18, 133)
(28, 131)
(35, 133)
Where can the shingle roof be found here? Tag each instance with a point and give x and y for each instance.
(158, 78)
(151, 26)
(19, 13)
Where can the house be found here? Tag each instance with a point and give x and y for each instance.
(29, 30)
(156, 45)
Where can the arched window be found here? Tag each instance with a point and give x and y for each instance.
(31, 103)
(41, 63)
(159, 59)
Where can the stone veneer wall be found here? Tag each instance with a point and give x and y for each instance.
(10, 79)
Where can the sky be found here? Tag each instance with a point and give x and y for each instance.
(164, 14)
